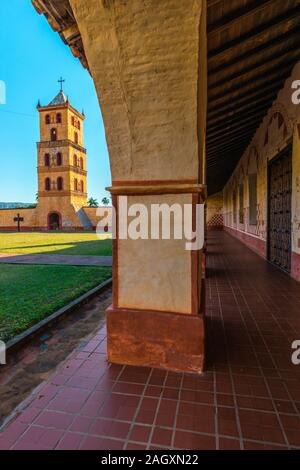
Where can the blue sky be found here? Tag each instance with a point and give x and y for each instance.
(32, 58)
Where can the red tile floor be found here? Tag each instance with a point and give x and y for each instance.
(248, 398)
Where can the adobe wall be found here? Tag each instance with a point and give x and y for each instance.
(7, 219)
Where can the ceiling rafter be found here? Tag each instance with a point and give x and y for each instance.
(280, 39)
(257, 31)
(242, 12)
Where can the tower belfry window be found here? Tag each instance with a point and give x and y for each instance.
(60, 183)
(59, 159)
(47, 184)
(53, 134)
(58, 118)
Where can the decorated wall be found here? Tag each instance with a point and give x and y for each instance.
(279, 128)
(214, 212)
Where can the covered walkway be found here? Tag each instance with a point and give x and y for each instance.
(248, 398)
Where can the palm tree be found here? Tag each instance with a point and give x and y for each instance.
(92, 202)
(105, 201)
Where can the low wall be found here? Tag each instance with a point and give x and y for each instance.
(7, 219)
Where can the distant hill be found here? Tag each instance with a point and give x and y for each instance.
(14, 205)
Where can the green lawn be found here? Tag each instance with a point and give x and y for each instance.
(30, 293)
(58, 243)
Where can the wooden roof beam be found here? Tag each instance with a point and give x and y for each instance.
(262, 28)
(228, 105)
(282, 59)
(238, 130)
(266, 76)
(238, 119)
(282, 38)
(222, 146)
(249, 9)
(251, 106)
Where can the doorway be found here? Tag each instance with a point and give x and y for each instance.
(54, 221)
(280, 209)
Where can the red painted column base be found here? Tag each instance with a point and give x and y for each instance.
(156, 339)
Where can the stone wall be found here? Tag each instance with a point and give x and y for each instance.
(280, 126)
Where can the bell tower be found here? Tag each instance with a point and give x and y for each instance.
(61, 166)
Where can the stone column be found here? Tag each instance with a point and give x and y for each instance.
(148, 62)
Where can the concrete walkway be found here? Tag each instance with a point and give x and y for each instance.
(71, 260)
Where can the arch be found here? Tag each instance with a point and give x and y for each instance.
(75, 184)
(59, 159)
(279, 124)
(54, 221)
(47, 119)
(58, 118)
(81, 163)
(60, 183)
(47, 184)
(82, 186)
(75, 160)
(72, 120)
(53, 134)
(47, 159)
(76, 137)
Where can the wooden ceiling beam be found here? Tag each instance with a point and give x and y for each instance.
(280, 60)
(220, 148)
(282, 38)
(237, 110)
(275, 22)
(232, 138)
(238, 119)
(228, 105)
(250, 8)
(235, 132)
(264, 77)
(217, 157)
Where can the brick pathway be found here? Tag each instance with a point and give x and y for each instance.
(74, 260)
(249, 397)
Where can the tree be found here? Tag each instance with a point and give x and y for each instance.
(92, 202)
(105, 201)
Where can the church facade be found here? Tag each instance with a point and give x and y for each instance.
(62, 175)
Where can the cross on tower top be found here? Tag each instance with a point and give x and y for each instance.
(61, 81)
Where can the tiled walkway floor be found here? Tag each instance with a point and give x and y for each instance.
(249, 397)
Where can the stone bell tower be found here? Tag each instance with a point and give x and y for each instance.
(62, 175)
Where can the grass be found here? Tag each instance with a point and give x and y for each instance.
(57, 243)
(30, 293)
